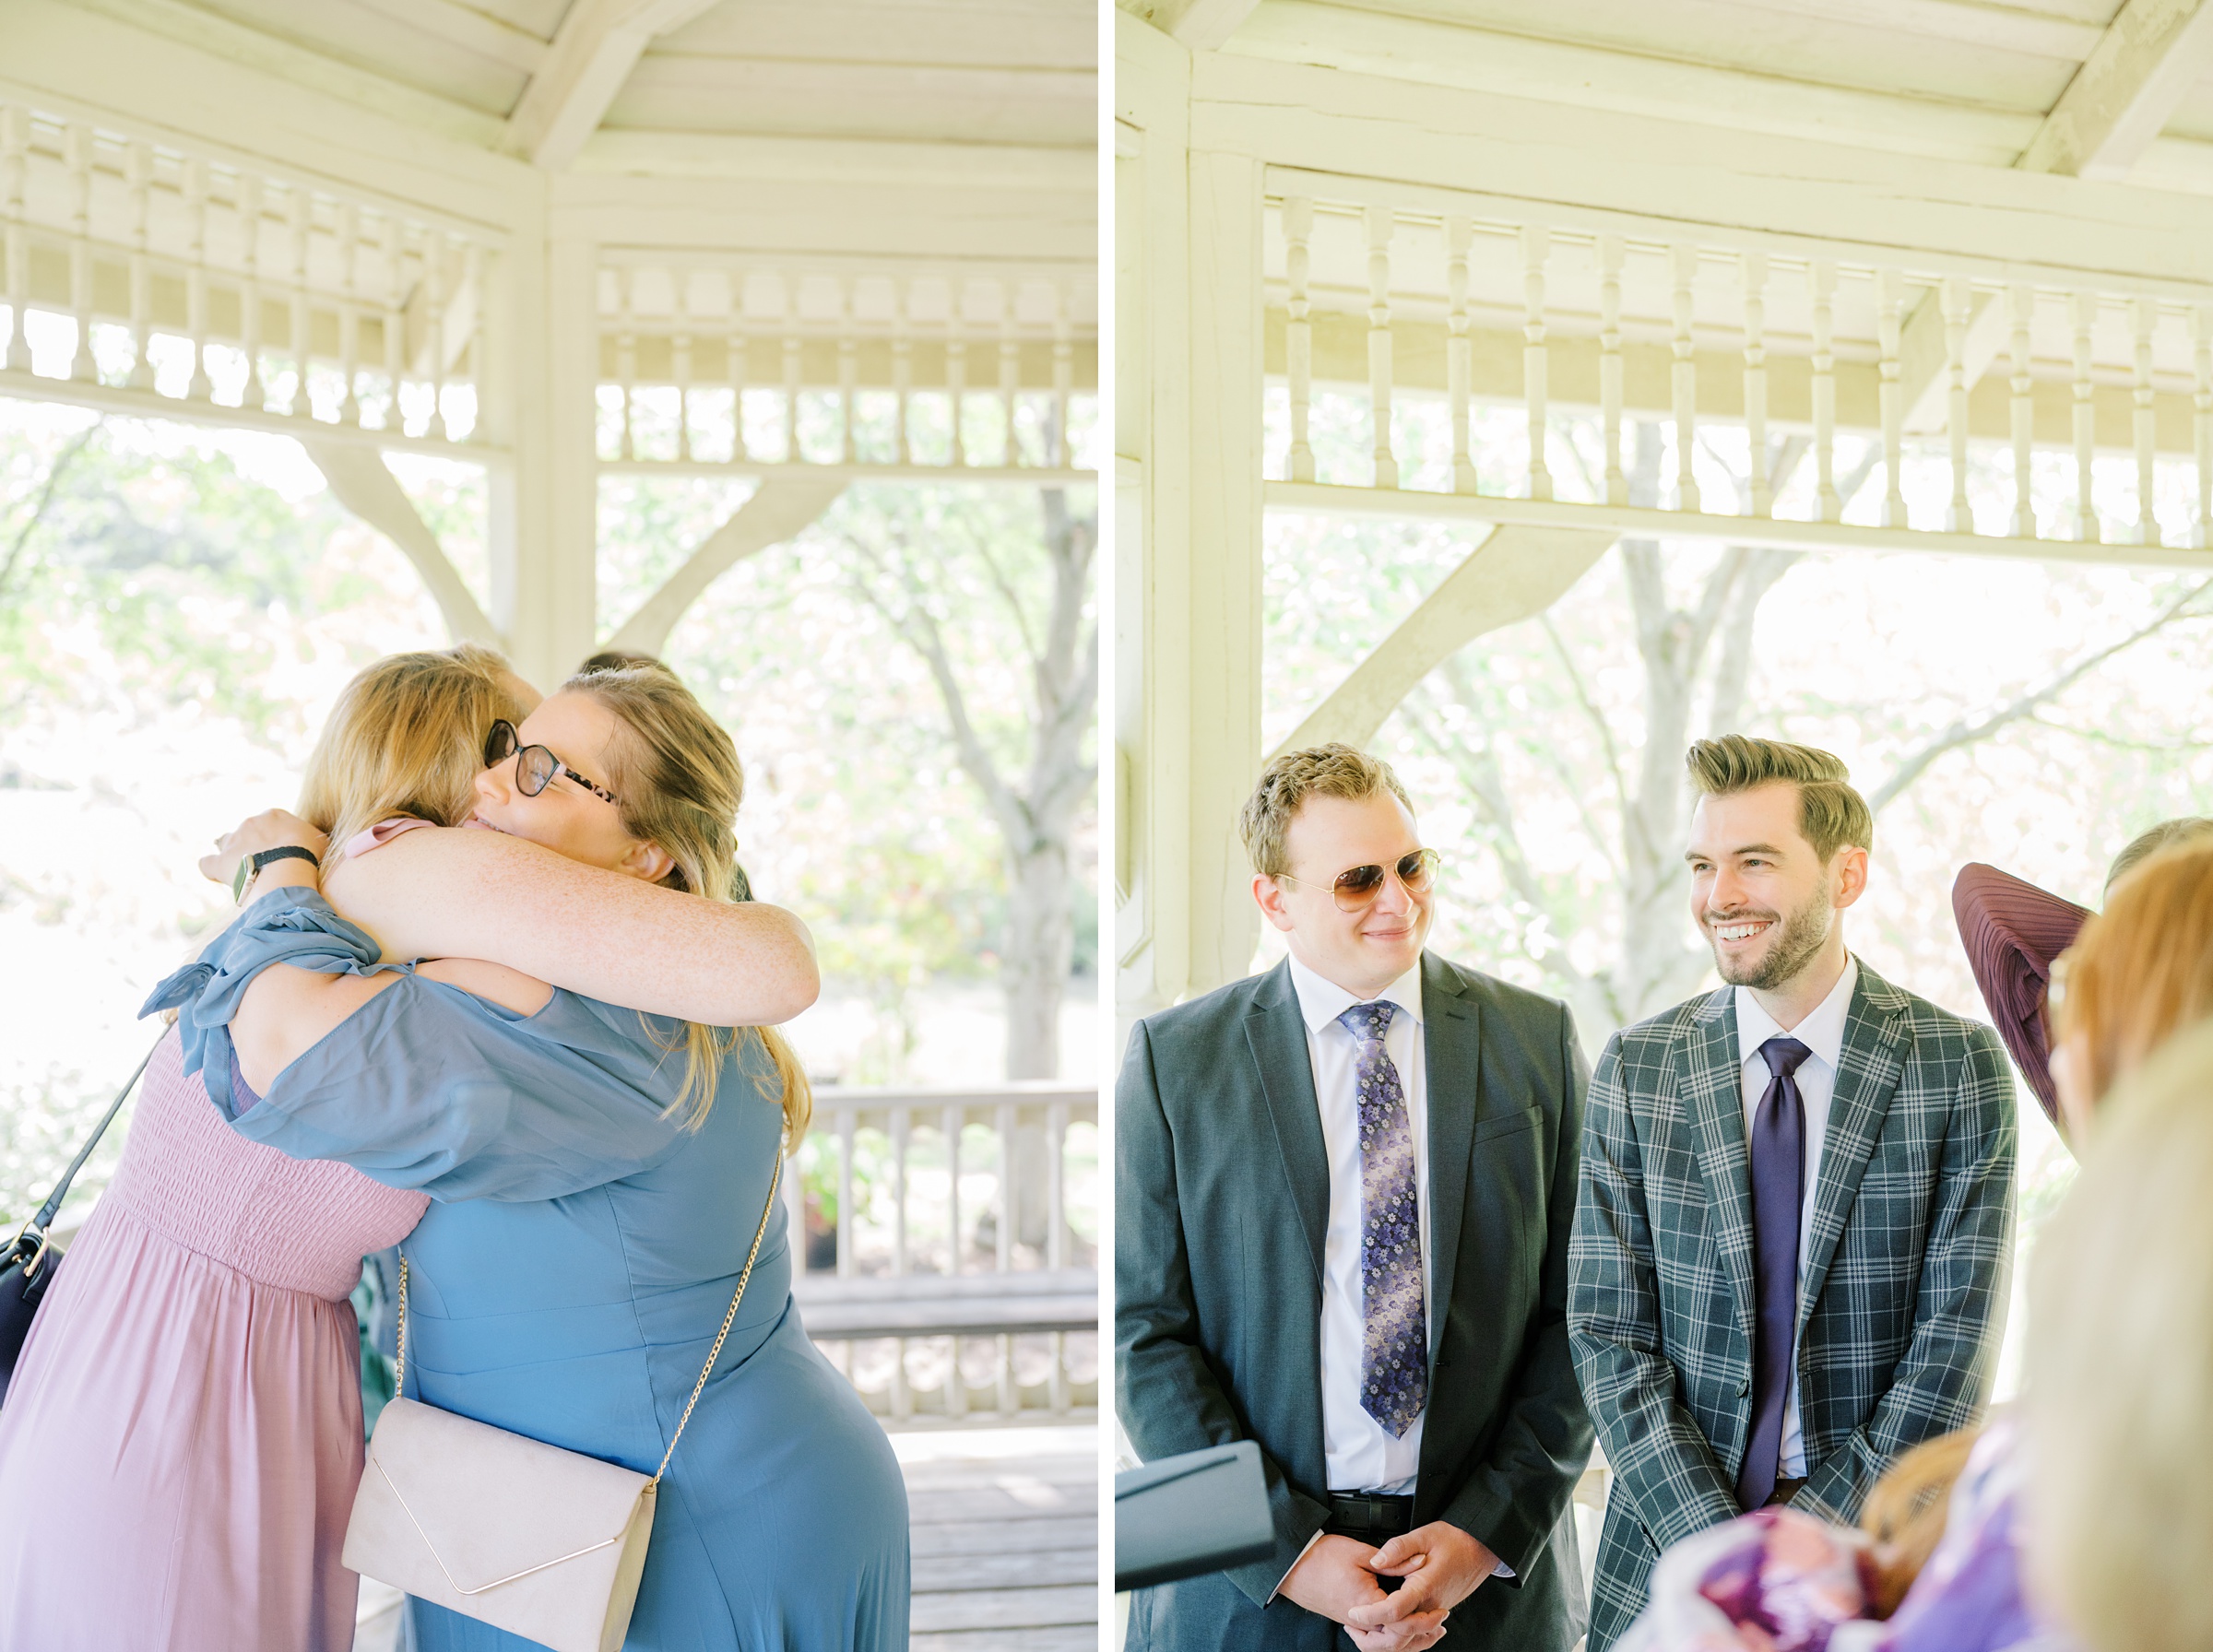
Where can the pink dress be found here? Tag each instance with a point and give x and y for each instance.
(180, 1446)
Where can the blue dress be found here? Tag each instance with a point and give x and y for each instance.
(573, 1270)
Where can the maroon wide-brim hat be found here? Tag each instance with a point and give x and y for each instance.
(2013, 931)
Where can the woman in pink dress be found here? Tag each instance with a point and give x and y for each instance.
(181, 1439)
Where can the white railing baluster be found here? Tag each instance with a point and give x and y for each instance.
(1611, 250)
(2201, 420)
(1756, 382)
(302, 328)
(2020, 309)
(78, 149)
(14, 142)
(903, 1128)
(902, 368)
(734, 365)
(1010, 373)
(2083, 312)
(138, 162)
(1299, 333)
(1380, 226)
(396, 322)
(1064, 379)
(1056, 1185)
(1821, 287)
(846, 1119)
(1890, 302)
(2145, 315)
(1957, 299)
(793, 369)
(1004, 1260)
(1459, 363)
(434, 252)
(201, 388)
(680, 358)
(849, 376)
(951, 1125)
(248, 201)
(1007, 1397)
(626, 361)
(472, 283)
(1684, 378)
(956, 364)
(1057, 1400)
(1536, 244)
(903, 1395)
(350, 310)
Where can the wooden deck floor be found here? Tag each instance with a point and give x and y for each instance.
(1006, 1543)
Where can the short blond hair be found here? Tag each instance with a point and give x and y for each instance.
(2142, 969)
(2120, 1369)
(1831, 814)
(1330, 771)
(407, 738)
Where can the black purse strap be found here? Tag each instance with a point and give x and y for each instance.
(52, 1207)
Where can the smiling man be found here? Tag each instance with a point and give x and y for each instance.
(1343, 1195)
(1798, 1194)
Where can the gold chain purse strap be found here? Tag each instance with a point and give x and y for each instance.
(744, 1278)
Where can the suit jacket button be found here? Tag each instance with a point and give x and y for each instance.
(1744, 1387)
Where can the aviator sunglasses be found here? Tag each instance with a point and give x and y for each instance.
(534, 766)
(1357, 886)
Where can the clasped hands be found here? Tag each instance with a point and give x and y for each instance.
(1438, 1565)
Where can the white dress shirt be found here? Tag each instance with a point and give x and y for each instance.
(1822, 1033)
(1362, 1455)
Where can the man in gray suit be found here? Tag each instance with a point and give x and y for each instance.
(1798, 1194)
(1343, 1195)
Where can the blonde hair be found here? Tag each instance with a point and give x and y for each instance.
(407, 738)
(676, 773)
(2144, 966)
(1906, 1511)
(1832, 813)
(1330, 771)
(2120, 1369)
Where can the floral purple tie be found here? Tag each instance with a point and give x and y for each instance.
(1394, 1354)
(1778, 1196)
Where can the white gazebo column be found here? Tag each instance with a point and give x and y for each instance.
(541, 331)
(1187, 602)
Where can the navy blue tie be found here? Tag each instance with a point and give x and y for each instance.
(1778, 1189)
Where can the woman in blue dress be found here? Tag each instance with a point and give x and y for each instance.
(597, 1178)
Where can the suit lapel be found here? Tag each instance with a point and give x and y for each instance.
(1872, 1063)
(1277, 1036)
(1713, 1104)
(1452, 1053)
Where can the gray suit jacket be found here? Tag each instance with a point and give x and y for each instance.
(1901, 1287)
(1221, 1207)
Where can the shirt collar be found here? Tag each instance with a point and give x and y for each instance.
(1821, 1032)
(1322, 1001)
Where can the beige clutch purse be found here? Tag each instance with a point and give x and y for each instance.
(544, 1543)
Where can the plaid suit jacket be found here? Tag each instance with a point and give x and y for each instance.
(1901, 1287)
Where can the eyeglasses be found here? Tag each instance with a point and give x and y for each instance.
(534, 766)
(1357, 886)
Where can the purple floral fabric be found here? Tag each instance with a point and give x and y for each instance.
(1782, 1580)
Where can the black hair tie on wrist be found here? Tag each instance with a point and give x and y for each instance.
(249, 867)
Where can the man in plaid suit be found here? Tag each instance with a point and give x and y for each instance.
(1796, 1203)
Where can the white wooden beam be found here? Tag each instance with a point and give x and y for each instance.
(597, 44)
(366, 486)
(1201, 25)
(1326, 499)
(1516, 572)
(2149, 57)
(839, 160)
(778, 509)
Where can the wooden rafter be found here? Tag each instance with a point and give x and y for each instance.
(597, 44)
(2128, 86)
(773, 514)
(1203, 25)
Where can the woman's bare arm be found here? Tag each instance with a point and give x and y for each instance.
(450, 893)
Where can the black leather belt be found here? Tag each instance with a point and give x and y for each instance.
(1372, 1516)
